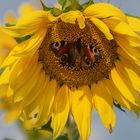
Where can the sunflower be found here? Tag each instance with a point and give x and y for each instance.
(73, 63)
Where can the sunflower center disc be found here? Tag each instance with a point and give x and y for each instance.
(75, 56)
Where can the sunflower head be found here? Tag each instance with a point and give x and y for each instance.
(73, 51)
(75, 59)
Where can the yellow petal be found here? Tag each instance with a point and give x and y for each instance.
(127, 48)
(134, 23)
(36, 106)
(104, 104)
(128, 81)
(121, 27)
(30, 46)
(47, 102)
(3, 91)
(6, 44)
(2, 58)
(116, 94)
(81, 21)
(72, 16)
(12, 115)
(128, 40)
(102, 26)
(9, 60)
(135, 42)
(22, 91)
(26, 8)
(122, 87)
(29, 24)
(2, 105)
(128, 59)
(10, 91)
(10, 18)
(45, 133)
(135, 109)
(36, 91)
(18, 31)
(135, 79)
(4, 78)
(37, 19)
(31, 110)
(131, 65)
(6, 41)
(22, 71)
(28, 123)
(81, 108)
(104, 10)
(61, 111)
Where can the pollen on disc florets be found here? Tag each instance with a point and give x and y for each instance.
(75, 56)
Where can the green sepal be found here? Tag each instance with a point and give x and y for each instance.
(47, 127)
(117, 105)
(63, 137)
(21, 39)
(54, 11)
(62, 2)
(34, 134)
(86, 4)
(68, 5)
(9, 25)
(1, 70)
(18, 39)
(45, 8)
(71, 5)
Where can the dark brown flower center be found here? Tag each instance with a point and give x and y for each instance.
(75, 56)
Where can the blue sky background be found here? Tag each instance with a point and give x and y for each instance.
(127, 126)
